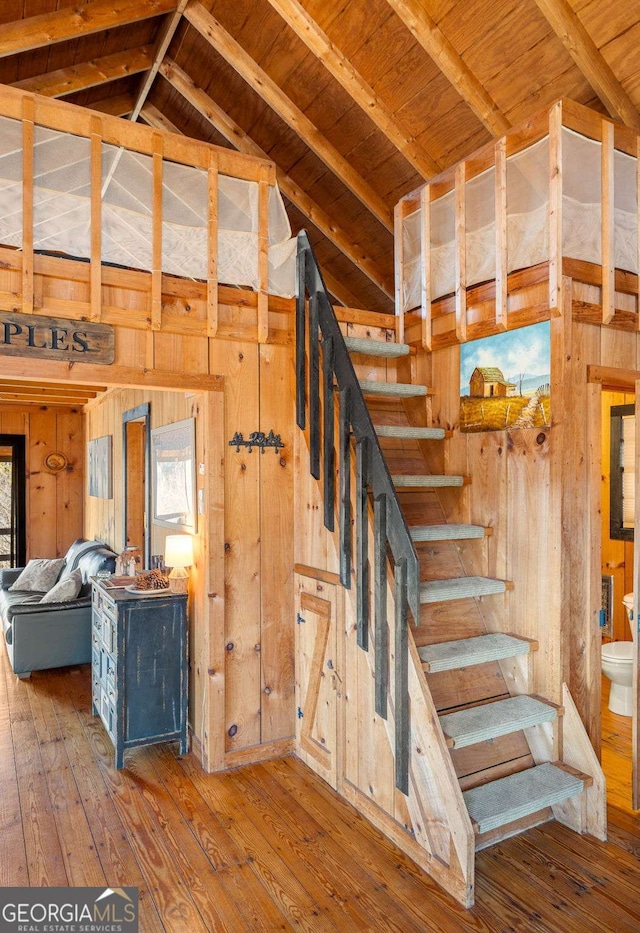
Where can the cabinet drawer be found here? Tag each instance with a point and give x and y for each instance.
(109, 638)
(107, 669)
(108, 712)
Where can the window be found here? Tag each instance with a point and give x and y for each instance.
(623, 471)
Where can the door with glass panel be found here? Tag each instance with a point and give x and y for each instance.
(12, 501)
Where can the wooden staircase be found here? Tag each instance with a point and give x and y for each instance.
(503, 786)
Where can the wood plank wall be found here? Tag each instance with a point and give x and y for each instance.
(540, 490)
(242, 619)
(258, 544)
(54, 500)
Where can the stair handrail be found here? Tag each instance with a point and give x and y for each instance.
(372, 472)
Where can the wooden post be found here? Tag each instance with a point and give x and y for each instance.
(461, 253)
(27, 203)
(362, 542)
(555, 209)
(314, 386)
(501, 233)
(156, 240)
(345, 488)
(212, 244)
(607, 232)
(380, 590)
(328, 434)
(263, 257)
(401, 649)
(96, 219)
(425, 265)
(301, 370)
(398, 250)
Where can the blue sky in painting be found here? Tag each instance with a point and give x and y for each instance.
(525, 350)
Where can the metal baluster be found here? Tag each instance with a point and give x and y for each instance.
(328, 432)
(402, 678)
(314, 386)
(362, 542)
(345, 488)
(301, 373)
(380, 590)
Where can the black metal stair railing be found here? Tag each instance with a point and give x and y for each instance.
(319, 330)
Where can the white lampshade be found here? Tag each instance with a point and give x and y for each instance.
(178, 551)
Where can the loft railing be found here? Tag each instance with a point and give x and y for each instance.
(460, 238)
(72, 146)
(319, 335)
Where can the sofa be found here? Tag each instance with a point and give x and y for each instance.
(39, 637)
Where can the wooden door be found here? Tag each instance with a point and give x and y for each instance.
(317, 677)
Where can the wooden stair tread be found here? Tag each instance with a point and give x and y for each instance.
(449, 655)
(399, 389)
(448, 532)
(480, 723)
(410, 433)
(436, 591)
(408, 480)
(384, 348)
(517, 795)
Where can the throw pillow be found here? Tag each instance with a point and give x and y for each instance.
(65, 589)
(39, 575)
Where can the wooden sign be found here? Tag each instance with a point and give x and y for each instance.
(52, 338)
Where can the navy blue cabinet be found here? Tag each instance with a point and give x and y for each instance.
(139, 667)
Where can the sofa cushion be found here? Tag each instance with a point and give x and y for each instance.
(66, 588)
(39, 575)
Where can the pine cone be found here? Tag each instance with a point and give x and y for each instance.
(152, 580)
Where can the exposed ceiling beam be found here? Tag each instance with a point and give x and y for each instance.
(339, 66)
(88, 74)
(118, 106)
(35, 32)
(43, 400)
(426, 31)
(155, 118)
(583, 50)
(56, 388)
(275, 97)
(228, 128)
(164, 41)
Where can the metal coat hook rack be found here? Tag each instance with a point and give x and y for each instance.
(257, 439)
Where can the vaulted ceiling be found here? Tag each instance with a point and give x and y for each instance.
(356, 102)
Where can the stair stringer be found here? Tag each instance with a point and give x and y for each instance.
(586, 813)
(439, 821)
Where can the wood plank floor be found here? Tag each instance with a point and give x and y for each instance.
(265, 848)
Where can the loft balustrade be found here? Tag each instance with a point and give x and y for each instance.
(88, 186)
(555, 197)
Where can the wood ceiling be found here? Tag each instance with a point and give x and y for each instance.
(356, 102)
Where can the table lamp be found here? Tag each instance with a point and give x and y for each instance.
(178, 554)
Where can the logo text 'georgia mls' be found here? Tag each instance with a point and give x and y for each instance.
(69, 910)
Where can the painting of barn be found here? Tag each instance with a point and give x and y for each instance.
(504, 380)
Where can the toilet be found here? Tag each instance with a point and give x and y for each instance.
(617, 665)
